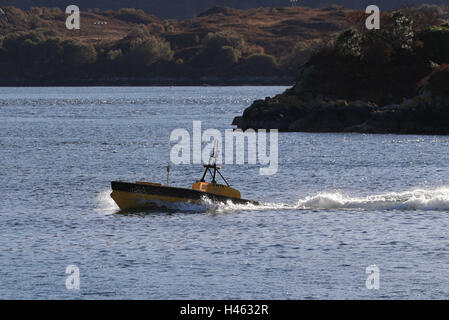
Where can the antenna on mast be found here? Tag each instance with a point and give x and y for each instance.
(214, 154)
(168, 166)
(213, 165)
(168, 174)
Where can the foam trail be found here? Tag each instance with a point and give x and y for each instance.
(418, 199)
(230, 206)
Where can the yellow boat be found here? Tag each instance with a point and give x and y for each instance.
(143, 195)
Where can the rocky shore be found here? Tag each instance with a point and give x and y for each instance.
(151, 81)
(423, 114)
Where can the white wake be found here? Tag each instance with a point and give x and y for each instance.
(417, 199)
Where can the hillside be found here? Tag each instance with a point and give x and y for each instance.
(128, 46)
(219, 42)
(276, 30)
(182, 9)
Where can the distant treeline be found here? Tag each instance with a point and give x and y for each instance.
(41, 52)
(43, 55)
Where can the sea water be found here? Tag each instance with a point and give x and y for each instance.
(338, 204)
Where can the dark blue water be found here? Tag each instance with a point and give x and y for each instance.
(339, 203)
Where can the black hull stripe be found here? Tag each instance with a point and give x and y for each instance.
(172, 192)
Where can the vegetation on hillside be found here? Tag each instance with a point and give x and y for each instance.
(220, 42)
(227, 43)
(382, 66)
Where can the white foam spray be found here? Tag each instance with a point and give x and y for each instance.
(105, 204)
(417, 199)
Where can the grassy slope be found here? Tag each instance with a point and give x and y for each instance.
(276, 30)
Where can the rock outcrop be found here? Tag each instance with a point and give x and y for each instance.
(427, 113)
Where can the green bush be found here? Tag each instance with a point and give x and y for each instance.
(349, 43)
(437, 81)
(399, 31)
(144, 52)
(301, 54)
(220, 51)
(33, 51)
(214, 41)
(225, 57)
(77, 54)
(259, 64)
(435, 43)
(114, 55)
(41, 54)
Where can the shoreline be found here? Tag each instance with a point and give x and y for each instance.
(153, 82)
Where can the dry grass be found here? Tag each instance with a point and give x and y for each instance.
(276, 30)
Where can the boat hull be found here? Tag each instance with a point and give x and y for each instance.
(129, 196)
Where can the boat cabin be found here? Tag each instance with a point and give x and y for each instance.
(213, 187)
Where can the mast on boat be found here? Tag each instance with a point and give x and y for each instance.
(212, 166)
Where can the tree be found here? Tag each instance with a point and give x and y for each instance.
(399, 31)
(435, 43)
(34, 53)
(259, 64)
(226, 57)
(437, 81)
(301, 53)
(77, 54)
(349, 43)
(220, 50)
(146, 51)
(214, 41)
